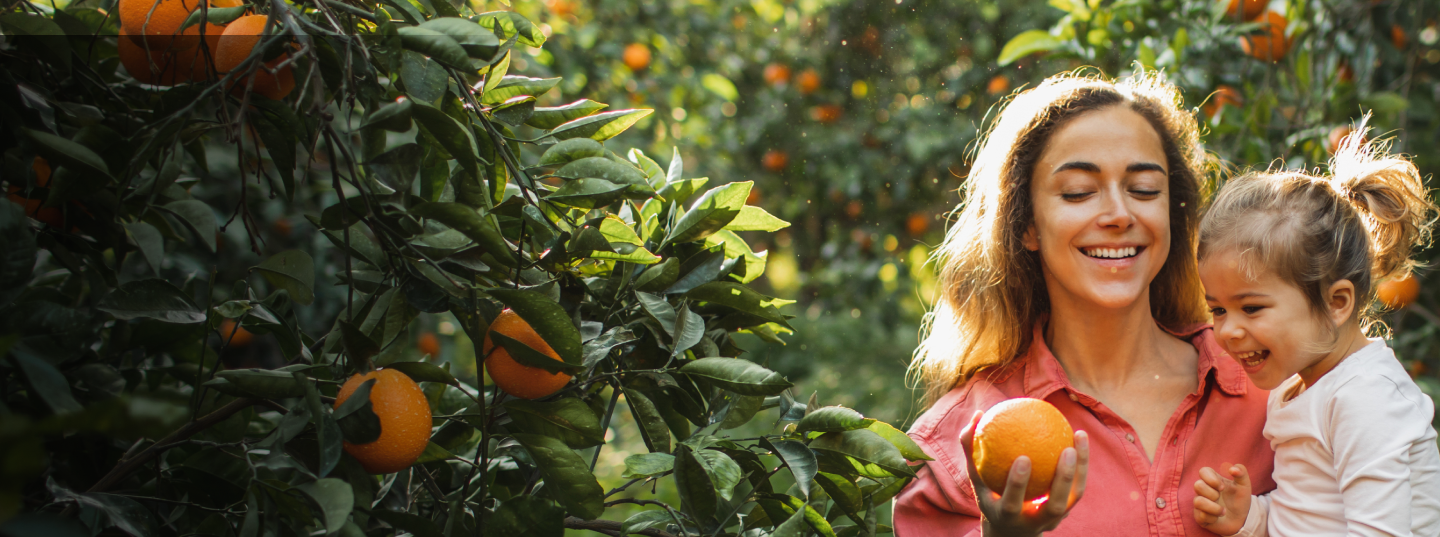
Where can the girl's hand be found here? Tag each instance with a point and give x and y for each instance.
(1007, 513)
(1221, 504)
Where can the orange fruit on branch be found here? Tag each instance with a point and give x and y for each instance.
(1396, 294)
(428, 344)
(775, 160)
(404, 421)
(156, 23)
(51, 216)
(1245, 9)
(777, 74)
(160, 66)
(1015, 427)
(808, 81)
(239, 39)
(917, 224)
(1224, 96)
(234, 334)
(826, 113)
(998, 84)
(517, 379)
(1337, 136)
(1270, 43)
(1398, 37)
(636, 56)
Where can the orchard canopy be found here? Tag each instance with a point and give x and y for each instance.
(622, 267)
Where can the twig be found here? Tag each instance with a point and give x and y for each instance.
(608, 527)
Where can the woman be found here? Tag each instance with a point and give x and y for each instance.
(1070, 276)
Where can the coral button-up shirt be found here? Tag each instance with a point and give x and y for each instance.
(1127, 494)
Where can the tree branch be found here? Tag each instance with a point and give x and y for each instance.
(129, 464)
(608, 527)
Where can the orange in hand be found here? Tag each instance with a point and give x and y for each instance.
(1023, 426)
(515, 378)
(404, 421)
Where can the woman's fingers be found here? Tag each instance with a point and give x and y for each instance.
(1082, 467)
(967, 439)
(1061, 486)
(1012, 500)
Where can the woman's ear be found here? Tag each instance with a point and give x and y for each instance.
(1340, 301)
(1030, 240)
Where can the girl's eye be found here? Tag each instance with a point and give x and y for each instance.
(1075, 196)
(1146, 194)
(1252, 309)
(1217, 312)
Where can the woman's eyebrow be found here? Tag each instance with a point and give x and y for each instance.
(1082, 166)
(1144, 167)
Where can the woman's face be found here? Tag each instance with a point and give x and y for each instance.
(1101, 194)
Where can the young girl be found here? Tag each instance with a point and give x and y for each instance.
(1288, 261)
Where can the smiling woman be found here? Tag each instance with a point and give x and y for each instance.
(1070, 276)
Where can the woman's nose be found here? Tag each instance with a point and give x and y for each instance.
(1116, 211)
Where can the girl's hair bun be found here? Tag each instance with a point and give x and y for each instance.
(1389, 196)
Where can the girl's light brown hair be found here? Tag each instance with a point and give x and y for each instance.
(991, 291)
(1361, 223)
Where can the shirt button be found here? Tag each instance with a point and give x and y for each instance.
(1130, 438)
(1160, 502)
(1074, 398)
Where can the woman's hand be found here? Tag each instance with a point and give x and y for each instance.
(1221, 503)
(1007, 513)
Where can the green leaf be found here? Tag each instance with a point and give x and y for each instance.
(648, 465)
(652, 425)
(472, 223)
(513, 24)
(549, 117)
(601, 127)
(697, 491)
(124, 513)
(425, 78)
(603, 168)
(723, 471)
(335, 498)
(680, 192)
(752, 218)
(45, 381)
(1028, 42)
(525, 516)
(689, 328)
(720, 85)
(397, 167)
(844, 493)
(737, 375)
(548, 319)
(293, 271)
(571, 150)
(358, 345)
(659, 277)
(477, 41)
(566, 474)
(657, 519)
(568, 419)
(660, 310)
(740, 410)
(515, 110)
(907, 446)
(712, 212)
(833, 419)
(434, 44)
(150, 243)
(652, 170)
(434, 452)
(261, 383)
(424, 372)
(799, 459)
(42, 36)
(457, 140)
(17, 251)
(197, 216)
(393, 117)
(214, 15)
(739, 298)
(61, 152)
(514, 86)
(151, 298)
(867, 453)
(588, 193)
(792, 527)
(529, 357)
(416, 525)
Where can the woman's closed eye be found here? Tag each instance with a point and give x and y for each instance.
(1145, 194)
(1076, 196)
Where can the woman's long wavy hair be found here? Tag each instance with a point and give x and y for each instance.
(992, 291)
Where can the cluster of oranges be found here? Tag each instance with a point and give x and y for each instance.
(155, 49)
(1269, 43)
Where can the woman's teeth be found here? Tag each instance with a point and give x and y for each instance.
(1252, 358)
(1111, 253)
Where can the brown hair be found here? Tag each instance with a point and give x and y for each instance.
(1360, 224)
(992, 292)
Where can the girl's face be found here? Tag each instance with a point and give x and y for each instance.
(1264, 323)
(1101, 193)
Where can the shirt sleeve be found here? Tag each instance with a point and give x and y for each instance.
(1373, 425)
(935, 504)
(1257, 521)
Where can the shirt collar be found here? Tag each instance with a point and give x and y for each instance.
(1043, 375)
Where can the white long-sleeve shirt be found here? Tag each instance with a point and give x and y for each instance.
(1355, 454)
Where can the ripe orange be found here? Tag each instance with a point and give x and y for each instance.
(428, 344)
(161, 66)
(156, 23)
(516, 379)
(1338, 135)
(1224, 95)
(404, 421)
(235, 45)
(561, 8)
(917, 224)
(1023, 426)
(808, 81)
(826, 113)
(777, 74)
(753, 198)
(241, 337)
(1398, 37)
(1245, 9)
(1396, 294)
(51, 216)
(636, 56)
(775, 160)
(998, 84)
(1270, 44)
(854, 209)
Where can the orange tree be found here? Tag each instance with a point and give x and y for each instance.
(169, 372)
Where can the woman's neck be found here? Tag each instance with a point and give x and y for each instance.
(1106, 348)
